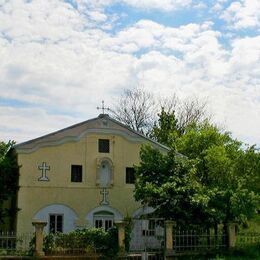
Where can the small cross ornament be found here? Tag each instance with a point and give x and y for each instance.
(44, 168)
(103, 108)
(104, 194)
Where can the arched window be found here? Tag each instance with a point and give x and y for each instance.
(59, 218)
(103, 219)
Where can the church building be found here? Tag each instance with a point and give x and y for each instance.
(80, 176)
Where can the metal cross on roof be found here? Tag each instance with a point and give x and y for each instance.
(103, 108)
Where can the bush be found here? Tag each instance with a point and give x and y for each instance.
(90, 240)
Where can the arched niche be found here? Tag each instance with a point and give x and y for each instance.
(105, 172)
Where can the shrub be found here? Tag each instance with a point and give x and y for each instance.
(84, 241)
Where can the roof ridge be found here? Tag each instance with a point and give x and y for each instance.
(56, 132)
(101, 116)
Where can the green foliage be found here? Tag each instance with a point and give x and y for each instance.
(168, 183)
(9, 172)
(167, 130)
(217, 178)
(128, 229)
(251, 226)
(89, 240)
(241, 253)
(244, 252)
(225, 171)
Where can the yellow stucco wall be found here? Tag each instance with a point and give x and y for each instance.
(81, 197)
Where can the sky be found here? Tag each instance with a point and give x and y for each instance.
(60, 58)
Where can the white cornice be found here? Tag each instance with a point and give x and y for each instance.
(67, 139)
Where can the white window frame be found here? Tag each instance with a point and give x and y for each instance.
(104, 219)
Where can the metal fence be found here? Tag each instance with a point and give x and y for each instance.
(193, 240)
(14, 244)
(243, 239)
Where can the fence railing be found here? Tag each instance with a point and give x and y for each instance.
(12, 243)
(251, 238)
(192, 240)
(183, 241)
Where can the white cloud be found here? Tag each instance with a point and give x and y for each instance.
(57, 59)
(29, 123)
(162, 5)
(243, 14)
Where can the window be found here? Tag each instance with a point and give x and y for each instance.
(104, 219)
(104, 223)
(149, 230)
(130, 175)
(56, 223)
(76, 173)
(103, 145)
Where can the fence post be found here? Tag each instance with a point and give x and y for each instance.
(121, 235)
(39, 225)
(231, 235)
(169, 237)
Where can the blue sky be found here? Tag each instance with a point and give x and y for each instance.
(59, 59)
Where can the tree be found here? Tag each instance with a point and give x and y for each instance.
(192, 111)
(166, 131)
(9, 172)
(227, 190)
(220, 188)
(139, 109)
(136, 109)
(167, 182)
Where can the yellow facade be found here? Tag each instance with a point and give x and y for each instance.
(74, 146)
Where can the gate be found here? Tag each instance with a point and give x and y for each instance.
(147, 235)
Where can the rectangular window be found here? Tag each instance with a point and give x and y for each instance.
(76, 173)
(104, 223)
(98, 223)
(56, 223)
(150, 229)
(103, 145)
(130, 175)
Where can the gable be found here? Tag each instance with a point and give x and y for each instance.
(100, 125)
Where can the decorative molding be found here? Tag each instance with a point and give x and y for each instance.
(44, 168)
(90, 216)
(104, 192)
(67, 139)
